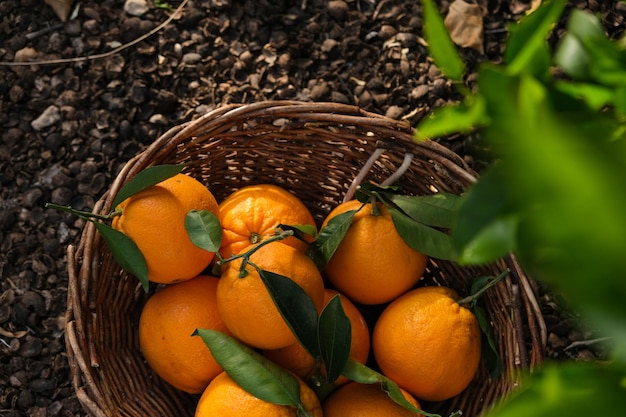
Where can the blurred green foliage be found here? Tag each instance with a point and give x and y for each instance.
(555, 120)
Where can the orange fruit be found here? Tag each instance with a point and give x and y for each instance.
(155, 220)
(167, 322)
(247, 307)
(225, 398)
(427, 343)
(297, 360)
(251, 213)
(372, 264)
(366, 400)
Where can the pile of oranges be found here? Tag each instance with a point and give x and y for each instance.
(424, 341)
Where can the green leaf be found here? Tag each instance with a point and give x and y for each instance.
(595, 96)
(422, 238)
(296, 307)
(488, 344)
(573, 53)
(146, 179)
(366, 190)
(125, 252)
(300, 230)
(335, 337)
(329, 238)
(437, 210)
(204, 229)
(440, 45)
(251, 371)
(486, 223)
(494, 241)
(455, 118)
(527, 49)
(568, 389)
(362, 374)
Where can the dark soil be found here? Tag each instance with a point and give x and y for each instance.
(66, 128)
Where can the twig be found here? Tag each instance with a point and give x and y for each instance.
(43, 31)
(362, 173)
(102, 55)
(406, 163)
(586, 342)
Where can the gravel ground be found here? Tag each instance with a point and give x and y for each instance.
(69, 124)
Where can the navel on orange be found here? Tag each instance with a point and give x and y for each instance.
(253, 212)
(427, 343)
(372, 264)
(155, 220)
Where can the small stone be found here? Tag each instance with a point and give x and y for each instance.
(338, 97)
(419, 91)
(338, 9)
(328, 45)
(50, 116)
(26, 54)
(319, 91)
(42, 386)
(31, 197)
(158, 119)
(54, 176)
(136, 7)
(394, 112)
(31, 348)
(386, 32)
(25, 399)
(191, 58)
(34, 302)
(54, 409)
(407, 39)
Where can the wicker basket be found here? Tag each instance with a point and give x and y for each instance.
(314, 150)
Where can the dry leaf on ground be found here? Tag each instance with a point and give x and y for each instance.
(465, 24)
(62, 8)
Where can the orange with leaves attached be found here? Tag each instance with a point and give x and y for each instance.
(247, 307)
(155, 220)
(225, 398)
(427, 343)
(252, 213)
(372, 264)
(366, 400)
(297, 360)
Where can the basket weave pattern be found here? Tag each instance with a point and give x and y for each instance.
(313, 150)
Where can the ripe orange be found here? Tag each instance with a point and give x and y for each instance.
(167, 322)
(155, 220)
(366, 400)
(297, 360)
(247, 307)
(372, 264)
(428, 343)
(224, 398)
(251, 213)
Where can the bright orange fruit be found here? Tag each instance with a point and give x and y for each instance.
(372, 264)
(247, 307)
(366, 400)
(155, 220)
(225, 398)
(252, 213)
(167, 322)
(427, 343)
(297, 360)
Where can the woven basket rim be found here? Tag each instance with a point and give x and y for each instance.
(84, 260)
